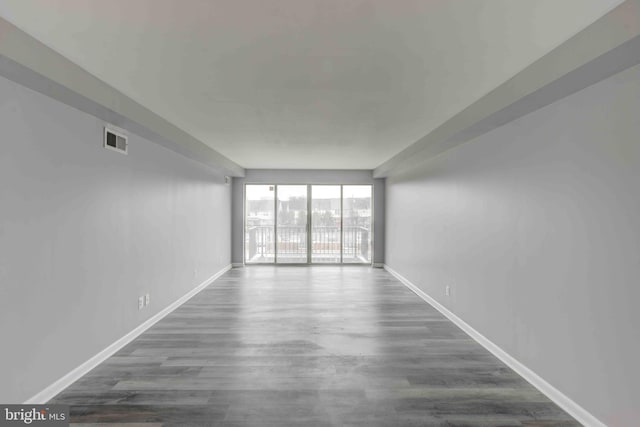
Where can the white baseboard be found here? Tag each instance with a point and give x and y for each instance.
(52, 390)
(377, 265)
(559, 398)
(237, 265)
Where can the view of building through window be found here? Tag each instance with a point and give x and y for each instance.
(289, 224)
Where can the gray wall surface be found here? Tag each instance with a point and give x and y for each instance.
(84, 231)
(535, 227)
(299, 176)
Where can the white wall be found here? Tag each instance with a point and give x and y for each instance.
(84, 231)
(536, 227)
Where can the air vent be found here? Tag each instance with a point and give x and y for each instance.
(115, 140)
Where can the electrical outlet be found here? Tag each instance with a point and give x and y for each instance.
(447, 290)
(140, 303)
(147, 299)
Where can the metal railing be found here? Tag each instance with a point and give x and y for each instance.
(260, 244)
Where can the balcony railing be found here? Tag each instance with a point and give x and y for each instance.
(291, 243)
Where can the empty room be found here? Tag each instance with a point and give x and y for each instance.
(320, 213)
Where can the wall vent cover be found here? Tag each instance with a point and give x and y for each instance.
(115, 140)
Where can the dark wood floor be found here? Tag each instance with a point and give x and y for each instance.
(301, 346)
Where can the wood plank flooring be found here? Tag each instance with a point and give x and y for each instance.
(307, 346)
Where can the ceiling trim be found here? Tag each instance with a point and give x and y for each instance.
(606, 47)
(30, 63)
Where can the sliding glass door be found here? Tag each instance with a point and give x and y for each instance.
(291, 232)
(326, 224)
(356, 224)
(259, 245)
(301, 224)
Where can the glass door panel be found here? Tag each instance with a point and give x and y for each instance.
(259, 245)
(291, 230)
(326, 221)
(356, 224)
